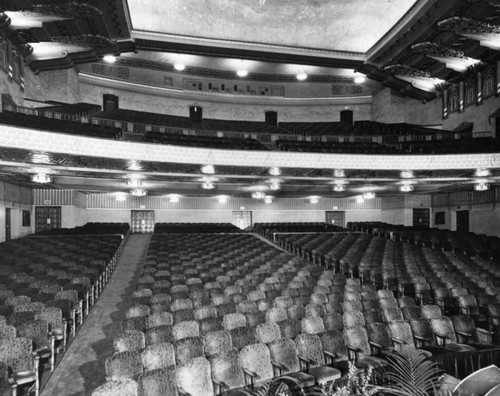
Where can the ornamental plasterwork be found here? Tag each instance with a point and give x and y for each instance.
(469, 26)
(408, 71)
(86, 40)
(433, 49)
(47, 142)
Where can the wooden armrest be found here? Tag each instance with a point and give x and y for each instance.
(219, 386)
(484, 331)
(463, 334)
(352, 349)
(330, 357)
(182, 392)
(375, 347)
(440, 337)
(398, 341)
(250, 375)
(278, 367)
(305, 363)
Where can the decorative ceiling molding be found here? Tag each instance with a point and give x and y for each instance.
(453, 58)
(29, 139)
(487, 34)
(418, 78)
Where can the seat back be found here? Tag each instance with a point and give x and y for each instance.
(194, 377)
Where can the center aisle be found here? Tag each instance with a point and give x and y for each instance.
(82, 367)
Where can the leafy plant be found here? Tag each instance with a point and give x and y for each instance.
(410, 373)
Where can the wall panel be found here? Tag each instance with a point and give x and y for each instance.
(53, 197)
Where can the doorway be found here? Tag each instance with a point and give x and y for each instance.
(421, 217)
(335, 218)
(143, 221)
(47, 217)
(463, 220)
(8, 222)
(242, 219)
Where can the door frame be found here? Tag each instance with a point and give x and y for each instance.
(8, 224)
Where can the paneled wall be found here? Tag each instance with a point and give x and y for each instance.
(17, 199)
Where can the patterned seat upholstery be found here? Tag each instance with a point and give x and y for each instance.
(234, 320)
(132, 341)
(290, 328)
(188, 348)
(122, 387)
(468, 333)
(217, 343)
(333, 321)
(227, 372)
(431, 311)
(358, 346)
(266, 333)
(158, 356)
(353, 319)
(194, 377)
(312, 358)
(445, 335)
(159, 319)
(123, 365)
(134, 324)
(255, 359)
(158, 334)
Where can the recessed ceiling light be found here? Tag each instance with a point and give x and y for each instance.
(274, 171)
(302, 76)
(109, 58)
(406, 174)
(179, 66)
(242, 73)
(339, 173)
(208, 169)
(482, 172)
(359, 79)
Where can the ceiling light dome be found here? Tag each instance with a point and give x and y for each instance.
(274, 171)
(139, 192)
(368, 195)
(406, 187)
(406, 174)
(275, 186)
(338, 187)
(258, 195)
(41, 178)
(242, 73)
(134, 182)
(208, 186)
(359, 78)
(179, 66)
(482, 172)
(481, 186)
(339, 173)
(302, 76)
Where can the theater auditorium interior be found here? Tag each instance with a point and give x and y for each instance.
(249, 198)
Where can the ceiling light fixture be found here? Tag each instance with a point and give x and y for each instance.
(368, 195)
(360, 199)
(275, 186)
(406, 174)
(109, 58)
(222, 199)
(406, 187)
(274, 171)
(134, 182)
(302, 76)
(138, 192)
(258, 195)
(179, 66)
(481, 186)
(339, 173)
(314, 199)
(359, 79)
(482, 172)
(41, 178)
(120, 196)
(208, 186)
(208, 169)
(242, 73)
(268, 199)
(173, 198)
(338, 187)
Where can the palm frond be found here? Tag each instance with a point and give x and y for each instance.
(410, 374)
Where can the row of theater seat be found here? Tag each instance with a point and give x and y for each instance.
(93, 228)
(47, 287)
(460, 242)
(213, 306)
(166, 228)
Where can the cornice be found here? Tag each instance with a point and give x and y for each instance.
(222, 97)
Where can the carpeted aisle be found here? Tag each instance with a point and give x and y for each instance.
(82, 367)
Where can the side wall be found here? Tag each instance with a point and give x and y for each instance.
(17, 199)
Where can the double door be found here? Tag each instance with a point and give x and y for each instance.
(143, 221)
(47, 217)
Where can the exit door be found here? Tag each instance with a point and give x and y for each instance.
(335, 218)
(8, 222)
(463, 220)
(242, 219)
(421, 217)
(47, 217)
(143, 221)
